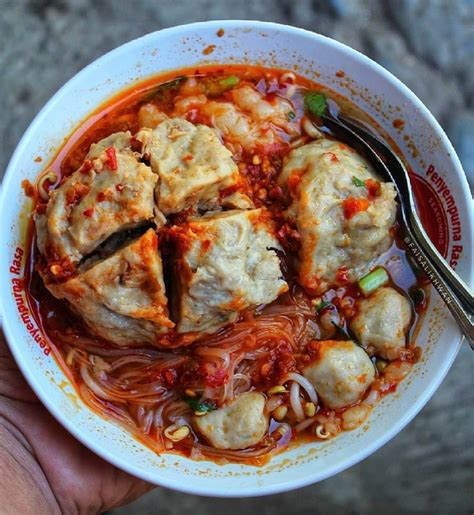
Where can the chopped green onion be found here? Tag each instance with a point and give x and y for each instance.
(161, 90)
(373, 280)
(216, 87)
(315, 103)
(229, 82)
(322, 305)
(291, 115)
(172, 84)
(357, 182)
(200, 406)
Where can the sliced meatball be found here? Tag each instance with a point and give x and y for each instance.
(382, 322)
(341, 373)
(228, 262)
(194, 168)
(112, 191)
(122, 298)
(119, 140)
(342, 212)
(239, 425)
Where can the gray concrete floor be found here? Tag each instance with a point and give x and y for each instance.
(429, 44)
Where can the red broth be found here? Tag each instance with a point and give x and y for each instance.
(148, 389)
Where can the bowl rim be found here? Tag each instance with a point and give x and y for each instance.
(288, 484)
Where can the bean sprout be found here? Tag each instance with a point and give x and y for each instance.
(304, 424)
(43, 190)
(273, 403)
(295, 401)
(311, 130)
(304, 383)
(288, 77)
(321, 433)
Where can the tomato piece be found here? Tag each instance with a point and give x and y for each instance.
(342, 275)
(87, 166)
(373, 188)
(352, 206)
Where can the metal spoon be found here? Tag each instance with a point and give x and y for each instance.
(453, 290)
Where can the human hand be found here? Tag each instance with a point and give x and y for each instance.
(43, 468)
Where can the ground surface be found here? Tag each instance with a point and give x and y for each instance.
(429, 467)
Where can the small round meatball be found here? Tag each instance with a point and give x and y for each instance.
(341, 373)
(382, 322)
(239, 425)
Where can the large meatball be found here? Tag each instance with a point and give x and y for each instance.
(382, 322)
(239, 425)
(122, 298)
(227, 262)
(342, 212)
(194, 168)
(110, 192)
(341, 373)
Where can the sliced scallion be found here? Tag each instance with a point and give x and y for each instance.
(229, 82)
(322, 305)
(357, 182)
(315, 103)
(373, 280)
(201, 406)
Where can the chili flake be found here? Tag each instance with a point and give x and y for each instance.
(112, 158)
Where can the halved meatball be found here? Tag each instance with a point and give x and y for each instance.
(150, 116)
(119, 140)
(122, 298)
(112, 191)
(382, 322)
(227, 262)
(193, 166)
(239, 425)
(342, 212)
(341, 373)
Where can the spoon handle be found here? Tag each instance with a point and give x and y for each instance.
(411, 218)
(452, 279)
(455, 293)
(442, 286)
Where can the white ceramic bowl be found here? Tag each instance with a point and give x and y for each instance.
(440, 178)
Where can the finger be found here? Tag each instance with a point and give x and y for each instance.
(12, 382)
(137, 488)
